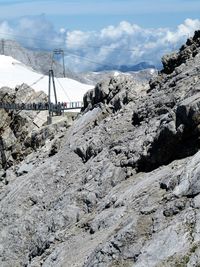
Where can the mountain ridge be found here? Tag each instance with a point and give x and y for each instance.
(127, 68)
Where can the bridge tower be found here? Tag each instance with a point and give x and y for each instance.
(2, 46)
(51, 82)
(57, 53)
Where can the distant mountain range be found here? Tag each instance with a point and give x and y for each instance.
(127, 68)
(95, 77)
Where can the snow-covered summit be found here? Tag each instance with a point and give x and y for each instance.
(14, 73)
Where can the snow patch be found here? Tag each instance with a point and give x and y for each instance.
(14, 73)
(116, 73)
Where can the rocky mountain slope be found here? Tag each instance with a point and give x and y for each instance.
(123, 190)
(25, 135)
(38, 60)
(95, 77)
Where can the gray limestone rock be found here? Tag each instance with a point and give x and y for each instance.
(122, 187)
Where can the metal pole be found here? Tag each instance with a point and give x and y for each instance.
(63, 55)
(3, 44)
(54, 87)
(60, 52)
(2, 151)
(49, 118)
(49, 93)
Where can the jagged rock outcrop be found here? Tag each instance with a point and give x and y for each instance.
(114, 93)
(25, 133)
(93, 78)
(187, 51)
(124, 188)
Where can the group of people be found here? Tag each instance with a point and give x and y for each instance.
(42, 106)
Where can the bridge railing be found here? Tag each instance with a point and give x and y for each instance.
(42, 106)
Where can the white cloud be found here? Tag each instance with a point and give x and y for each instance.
(127, 44)
(124, 43)
(124, 28)
(183, 30)
(5, 30)
(77, 39)
(34, 32)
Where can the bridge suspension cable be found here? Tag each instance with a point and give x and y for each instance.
(61, 86)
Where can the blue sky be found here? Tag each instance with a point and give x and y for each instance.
(93, 15)
(109, 31)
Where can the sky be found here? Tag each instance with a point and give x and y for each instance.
(104, 32)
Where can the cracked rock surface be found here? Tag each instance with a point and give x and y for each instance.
(123, 187)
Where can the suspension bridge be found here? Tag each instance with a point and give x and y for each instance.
(51, 105)
(40, 106)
